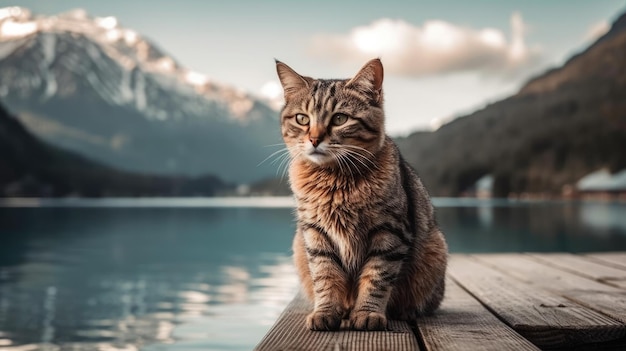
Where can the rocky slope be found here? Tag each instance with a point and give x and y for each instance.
(561, 126)
(90, 85)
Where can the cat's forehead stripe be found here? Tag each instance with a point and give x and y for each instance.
(318, 97)
(306, 105)
(331, 104)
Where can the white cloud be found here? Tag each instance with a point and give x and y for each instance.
(597, 30)
(436, 47)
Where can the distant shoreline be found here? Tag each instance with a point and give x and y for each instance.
(257, 202)
(157, 202)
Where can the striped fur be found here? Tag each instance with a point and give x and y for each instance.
(367, 246)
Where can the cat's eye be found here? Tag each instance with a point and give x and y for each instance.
(339, 119)
(302, 120)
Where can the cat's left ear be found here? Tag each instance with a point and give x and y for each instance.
(370, 78)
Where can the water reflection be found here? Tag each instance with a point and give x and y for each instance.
(541, 226)
(193, 277)
(142, 279)
(604, 217)
(116, 313)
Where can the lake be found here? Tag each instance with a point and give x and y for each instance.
(212, 274)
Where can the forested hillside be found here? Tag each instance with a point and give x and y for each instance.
(30, 167)
(561, 126)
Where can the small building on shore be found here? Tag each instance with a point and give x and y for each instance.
(602, 184)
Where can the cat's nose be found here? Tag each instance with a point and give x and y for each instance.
(315, 141)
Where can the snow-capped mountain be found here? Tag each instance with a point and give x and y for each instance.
(88, 84)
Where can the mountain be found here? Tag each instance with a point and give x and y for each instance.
(30, 167)
(560, 126)
(89, 85)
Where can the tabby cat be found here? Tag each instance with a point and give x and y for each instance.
(367, 246)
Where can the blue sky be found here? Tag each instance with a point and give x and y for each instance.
(469, 53)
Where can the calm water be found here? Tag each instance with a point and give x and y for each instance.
(211, 274)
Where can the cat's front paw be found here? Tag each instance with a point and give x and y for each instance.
(323, 320)
(365, 320)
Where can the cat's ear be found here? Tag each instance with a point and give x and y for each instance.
(370, 78)
(292, 82)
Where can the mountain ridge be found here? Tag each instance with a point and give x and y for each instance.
(92, 75)
(124, 46)
(560, 126)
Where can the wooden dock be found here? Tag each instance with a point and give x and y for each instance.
(494, 302)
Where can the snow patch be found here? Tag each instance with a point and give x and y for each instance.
(113, 35)
(131, 37)
(106, 22)
(165, 64)
(140, 91)
(196, 78)
(49, 44)
(10, 29)
(51, 85)
(126, 93)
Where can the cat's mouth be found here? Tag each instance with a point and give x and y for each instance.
(318, 156)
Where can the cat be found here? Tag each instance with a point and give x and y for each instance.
(367, 246)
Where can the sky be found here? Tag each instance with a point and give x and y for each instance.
(442, 59)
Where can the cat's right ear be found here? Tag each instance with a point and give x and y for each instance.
(292, 82)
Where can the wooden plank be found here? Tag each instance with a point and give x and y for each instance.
(290, 333)
(462, 323)
(544, 318)
(616, 259)
(609, 300)
(586, 267)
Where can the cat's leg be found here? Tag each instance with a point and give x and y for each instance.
(383, 263)
(301, 261)
(422, 280)
(330, 281)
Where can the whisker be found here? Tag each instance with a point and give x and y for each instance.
(358, 148)
(285, 161)
(361, 159)
(354, 158)
(339, 157)
(349, 159)
(272, 155)
(361, 155)
(288, 164)
(345, 160)
(338, 160)
(284, 154)
(350, 155)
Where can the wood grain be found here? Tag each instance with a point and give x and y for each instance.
(462, 323)
(546, 319)
(494, 302)
(290, 333)
(587, 292)
(617, 259)
(586, 267)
